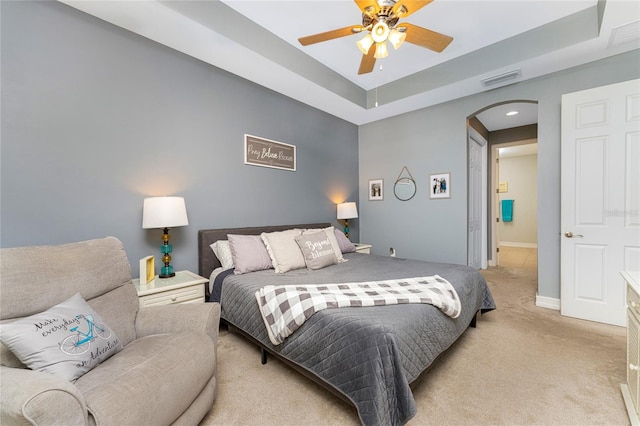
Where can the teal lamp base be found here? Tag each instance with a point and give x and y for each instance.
(166, 248)
(346, 228)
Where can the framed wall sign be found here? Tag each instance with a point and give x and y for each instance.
(440, 185)
(267, 153)
(376, 190)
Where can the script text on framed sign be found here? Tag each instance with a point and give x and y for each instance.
(267, 153)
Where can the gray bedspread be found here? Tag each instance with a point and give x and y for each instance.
(370, 354)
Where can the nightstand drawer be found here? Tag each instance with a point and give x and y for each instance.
(193, 294)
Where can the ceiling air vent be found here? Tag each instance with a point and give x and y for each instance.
(500, 79)
(624, 34)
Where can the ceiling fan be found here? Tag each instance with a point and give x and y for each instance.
(380, 21)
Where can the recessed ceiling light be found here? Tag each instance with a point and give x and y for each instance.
(512, 113)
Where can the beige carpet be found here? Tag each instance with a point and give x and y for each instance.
(522, 365)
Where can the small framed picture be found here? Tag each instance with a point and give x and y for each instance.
(376, 190)
(440, 185)
(147, 270)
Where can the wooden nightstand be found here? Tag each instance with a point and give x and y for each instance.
(185, 287)
(363, 248)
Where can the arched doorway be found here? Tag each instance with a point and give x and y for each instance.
(502, 130)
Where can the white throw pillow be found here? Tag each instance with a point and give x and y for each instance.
(283, 250)
(67, 340)
(223, 252)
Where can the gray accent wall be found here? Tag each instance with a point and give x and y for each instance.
(434, 140)
(95, 119)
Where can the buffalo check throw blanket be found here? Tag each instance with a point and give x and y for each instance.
(285, 308)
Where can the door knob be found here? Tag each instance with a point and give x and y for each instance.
(569, 234)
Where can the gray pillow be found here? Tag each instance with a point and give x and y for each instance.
(332, 238)
(317, 250)
(346, 246)
(67, 340)
(249, 253)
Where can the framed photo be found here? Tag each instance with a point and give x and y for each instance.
(376, 190)
(440, 185)
(147, 270)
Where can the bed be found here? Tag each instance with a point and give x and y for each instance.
(368, 356)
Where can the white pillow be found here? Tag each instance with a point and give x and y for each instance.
(283, 250)
(330, 231)
(222, 250)
(67, 340)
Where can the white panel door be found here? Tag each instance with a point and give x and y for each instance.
(600, 200)
(477, 201)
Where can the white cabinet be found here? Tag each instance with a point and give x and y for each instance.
(185, 287)
(631, 389)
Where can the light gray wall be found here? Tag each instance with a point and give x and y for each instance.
(433, 140)
(95, 119)
(521, 175)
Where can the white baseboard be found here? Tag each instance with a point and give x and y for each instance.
(547, 302)
(515, 244)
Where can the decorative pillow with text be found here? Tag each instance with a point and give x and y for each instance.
(331, 234)
(317, 250)
(67, 340)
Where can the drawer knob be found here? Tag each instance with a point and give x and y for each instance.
(174, 298)
(633, 367)
(633, 304)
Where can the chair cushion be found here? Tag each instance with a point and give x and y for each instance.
(35, 278)
(153, 377)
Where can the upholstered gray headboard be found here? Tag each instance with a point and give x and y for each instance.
(207, 261)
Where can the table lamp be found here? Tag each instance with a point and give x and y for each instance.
(164, 213)
(347, 211)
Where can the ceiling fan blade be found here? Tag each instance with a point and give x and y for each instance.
(330, 35)
(404, 8)
(369, 7)
(368, 61)
(426, 38)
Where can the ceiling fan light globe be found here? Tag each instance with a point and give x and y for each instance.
(397, 38)
(381, 50)
(365, 43)
(380, 32)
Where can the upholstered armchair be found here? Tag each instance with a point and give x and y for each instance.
(128, 366)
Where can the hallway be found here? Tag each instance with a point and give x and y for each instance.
(519, 257)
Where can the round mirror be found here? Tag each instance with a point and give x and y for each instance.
(404, 189)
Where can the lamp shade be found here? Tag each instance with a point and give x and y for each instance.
(164, 212)
(381, 50)
(347, 211)
(365, 43)
(396, 38)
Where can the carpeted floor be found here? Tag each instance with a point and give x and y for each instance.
(522, 365)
